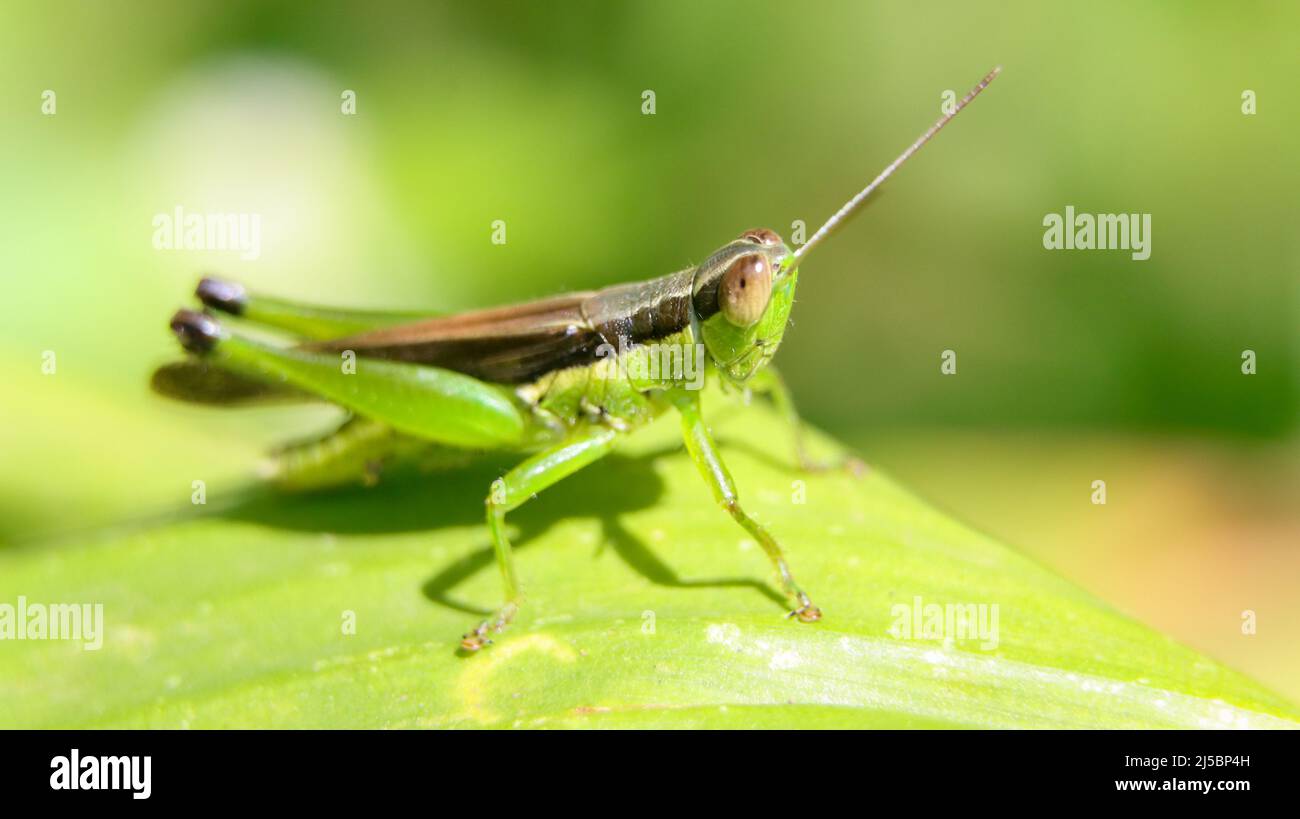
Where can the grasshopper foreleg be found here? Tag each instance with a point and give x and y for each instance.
(769, 382)
(700, 445)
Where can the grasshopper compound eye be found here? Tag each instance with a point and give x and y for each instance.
(745, 288)
(762, 236)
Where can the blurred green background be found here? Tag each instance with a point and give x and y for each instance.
(1072, 366)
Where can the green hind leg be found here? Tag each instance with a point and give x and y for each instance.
(429, 403)
(308, 321)
(702, 449)
(358, 452)
(511, 491)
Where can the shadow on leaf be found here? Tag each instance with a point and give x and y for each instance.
(412, 503)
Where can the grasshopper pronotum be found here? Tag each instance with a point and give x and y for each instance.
(560, 379)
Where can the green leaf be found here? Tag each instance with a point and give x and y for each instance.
(647, 607)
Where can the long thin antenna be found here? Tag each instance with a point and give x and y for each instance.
(850, 207)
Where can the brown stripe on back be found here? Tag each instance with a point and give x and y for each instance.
(521, 343)
(505, 345)
(642, 312)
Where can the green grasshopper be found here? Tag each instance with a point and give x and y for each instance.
(560, 379)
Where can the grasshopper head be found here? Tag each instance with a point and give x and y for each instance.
(742, 298)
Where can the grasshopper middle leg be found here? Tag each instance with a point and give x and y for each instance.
(511, 491)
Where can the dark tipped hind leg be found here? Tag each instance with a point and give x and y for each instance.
(305, 320)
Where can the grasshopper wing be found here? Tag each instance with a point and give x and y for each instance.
(504, 345)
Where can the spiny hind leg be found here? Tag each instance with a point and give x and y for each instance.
(357, 452)
(769, 382)
(511, 491)
(306, 320)
(703, 450)
(348, 455)
(423, 402)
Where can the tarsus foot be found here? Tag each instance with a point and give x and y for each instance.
(478, 638)
(475, 639)
(807, 612)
